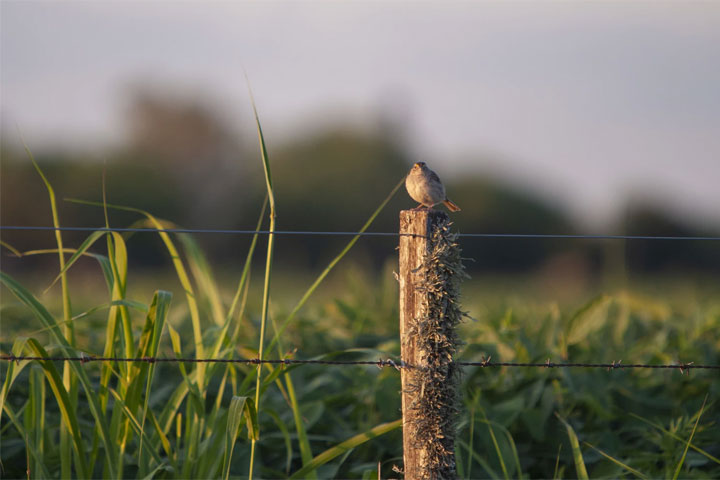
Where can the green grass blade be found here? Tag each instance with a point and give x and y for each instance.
(14, 250)
(36, 307)
(67, 311)
(139, 306)
(557, 463)
(471, 435)
(498, 452)
(180, 271)
(102, 259)
(242, 289)
(35, 415)
(588, 319)
(148, 347)
(84, 246)
(188, 386)
(343, 447)
(248, 261)
(68, 328)
(222, 338)
(676, 437)
(689, 440)
(331, 265)
(117, 264)
(202, 273)
(241, 408)
(137, 427)
(263, 153)
(39, 457)
(152, 474)
(617, 462)
(516, 457)
(304, 443)
(172, 406)
(268, 266)
(491, 473)
(576, 453)
(164, 441)
(117, 254)
(211, 464)
(192, 437)
(67, 409)
(13, 370)
(47, 319)
(286, 437)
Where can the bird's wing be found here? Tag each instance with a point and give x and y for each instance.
(433, 176)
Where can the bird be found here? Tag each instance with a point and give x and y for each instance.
(424, 186)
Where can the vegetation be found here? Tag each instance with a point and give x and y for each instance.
(202, 420)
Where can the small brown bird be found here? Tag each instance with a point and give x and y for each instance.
(425, 187)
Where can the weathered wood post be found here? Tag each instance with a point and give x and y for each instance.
(429, 273)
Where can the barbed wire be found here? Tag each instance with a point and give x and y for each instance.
(615, 365)
(363, 234)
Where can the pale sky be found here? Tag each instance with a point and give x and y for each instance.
(588, 103)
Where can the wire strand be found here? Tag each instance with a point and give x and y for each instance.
(363, 234)
(378, 363)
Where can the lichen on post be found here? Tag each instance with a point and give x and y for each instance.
(431, 271)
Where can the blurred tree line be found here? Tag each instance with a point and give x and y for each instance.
(183, 163)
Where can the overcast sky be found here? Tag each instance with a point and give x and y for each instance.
(587, 103)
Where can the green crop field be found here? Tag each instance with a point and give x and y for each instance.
(209, 420)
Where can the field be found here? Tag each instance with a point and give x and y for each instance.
(628, 422)
(203, 420)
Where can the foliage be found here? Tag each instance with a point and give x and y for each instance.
(625, 421)
(199, 420)
(620, 421)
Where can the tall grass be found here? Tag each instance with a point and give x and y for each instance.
(185, 430)
(268, 270)
(68, 381)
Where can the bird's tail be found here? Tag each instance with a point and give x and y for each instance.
(451, 206)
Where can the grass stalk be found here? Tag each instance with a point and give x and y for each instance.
(689, 440)
(676, 437)
(68, 328)
(580, 468)
(268, 270)
(498, 451)
(617, 462)
(343, 447)
(332, 264)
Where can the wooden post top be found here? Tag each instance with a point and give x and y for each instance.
(411, 220)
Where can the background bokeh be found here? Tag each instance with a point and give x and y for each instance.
(545, 117)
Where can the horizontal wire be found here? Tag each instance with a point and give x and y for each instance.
(377, 363)
(609, 366)
(249, 361)
(364, 234)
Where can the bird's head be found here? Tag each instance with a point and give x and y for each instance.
(419, 166)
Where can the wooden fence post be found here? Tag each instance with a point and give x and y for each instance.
(429, 274)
